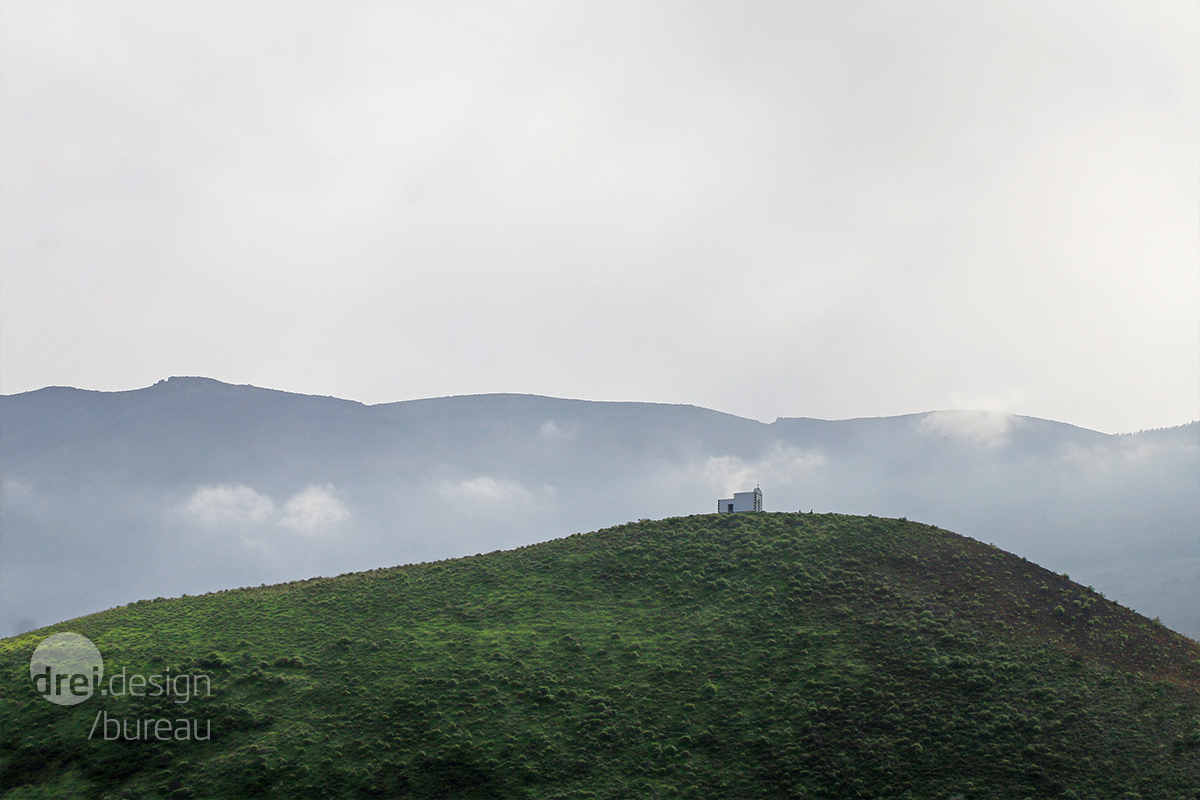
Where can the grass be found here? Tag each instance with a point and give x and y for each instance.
(749, 655)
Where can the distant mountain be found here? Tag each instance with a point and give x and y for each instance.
(713, 656)
(194, 485)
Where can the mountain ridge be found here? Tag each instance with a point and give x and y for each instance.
(197, 383)
(215, 484)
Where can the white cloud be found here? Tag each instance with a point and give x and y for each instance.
(982, 429)
(13, 488)
(314, 511)
(1123, 451)
(311, 512)
(781, 466)
(486, 489)
(229, 504)
(552, 431)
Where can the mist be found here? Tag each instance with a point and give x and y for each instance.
(192, 485)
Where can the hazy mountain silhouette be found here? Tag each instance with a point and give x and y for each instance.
(192, 485)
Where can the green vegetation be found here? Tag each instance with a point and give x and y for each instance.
(746, 655)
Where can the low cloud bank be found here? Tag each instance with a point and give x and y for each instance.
(780, 466)
(985, 430)
(315, 511)
(229, 504)
(487, 490)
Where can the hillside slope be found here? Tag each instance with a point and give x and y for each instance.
(194, 485)
(751, 655)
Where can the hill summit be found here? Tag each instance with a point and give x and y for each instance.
(215, 486)
(737, 655)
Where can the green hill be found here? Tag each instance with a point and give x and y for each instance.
(748, 655)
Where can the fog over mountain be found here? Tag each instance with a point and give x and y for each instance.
(193, 485)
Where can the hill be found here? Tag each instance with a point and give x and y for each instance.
(749, 655)
(194, 485)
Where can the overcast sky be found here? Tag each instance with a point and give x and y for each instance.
(823, 209)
